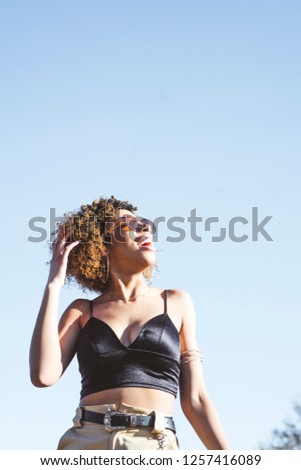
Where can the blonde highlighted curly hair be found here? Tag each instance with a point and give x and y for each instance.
(87, 262)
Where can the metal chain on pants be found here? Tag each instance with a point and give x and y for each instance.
(162, 440)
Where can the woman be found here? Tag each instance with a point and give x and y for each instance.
(135, 344)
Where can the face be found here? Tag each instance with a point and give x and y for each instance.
(131, 241)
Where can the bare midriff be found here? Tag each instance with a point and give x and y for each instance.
(134, 396)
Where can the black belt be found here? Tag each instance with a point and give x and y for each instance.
(114, 421)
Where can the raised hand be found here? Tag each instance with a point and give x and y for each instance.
(58, 263)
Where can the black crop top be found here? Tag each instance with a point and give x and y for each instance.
(152, 360)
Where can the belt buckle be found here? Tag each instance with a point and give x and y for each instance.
(108, 424)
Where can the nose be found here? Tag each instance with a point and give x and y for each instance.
(147, 226)
(143, 227)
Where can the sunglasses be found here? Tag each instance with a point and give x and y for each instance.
(130, 223)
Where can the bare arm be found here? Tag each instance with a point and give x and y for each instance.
(52, 348)
(195, 401)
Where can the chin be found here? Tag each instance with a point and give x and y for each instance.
(148, 262)
(149, 256)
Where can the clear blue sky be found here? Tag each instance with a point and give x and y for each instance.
(175, 106)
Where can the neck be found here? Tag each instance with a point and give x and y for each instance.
(125, 287)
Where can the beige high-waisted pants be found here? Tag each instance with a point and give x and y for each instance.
(84, 435)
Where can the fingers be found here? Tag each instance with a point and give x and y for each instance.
(61, 245)
(70, 246)
(59, 241)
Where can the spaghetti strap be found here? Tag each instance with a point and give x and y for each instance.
(91, 307)
(165, 301)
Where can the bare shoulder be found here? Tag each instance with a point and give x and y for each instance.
(75, 312)
(70, 326)
(183, 303)
(179, 294)
(181, 298)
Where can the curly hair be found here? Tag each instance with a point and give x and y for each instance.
(87, 262)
